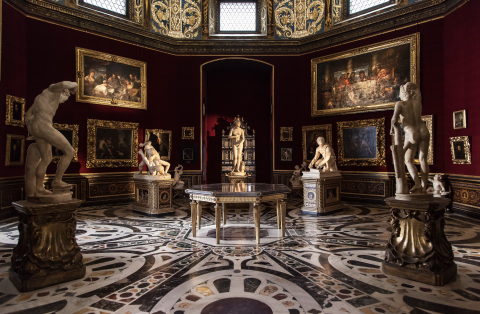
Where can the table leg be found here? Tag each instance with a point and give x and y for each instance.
(279, 216)
(194, 218)
(218, 216)
(224, 210)
(283, 209)
(199, 215)
(256, 217)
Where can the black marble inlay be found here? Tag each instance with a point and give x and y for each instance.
(474, 290)
(251, 284)
(237, 306)
(6, 298)
(362, 301)
(107, 305)
(222, 285)
(436, 307)
(371, 258)
(362, 264)
(100, 260)
(43, 309)
(467, 295)
(237, 233)
(110, 266)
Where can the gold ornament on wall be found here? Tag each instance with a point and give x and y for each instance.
(176, 18)
(286, 134)
(187, 133)
(298, 18)
(15, 114)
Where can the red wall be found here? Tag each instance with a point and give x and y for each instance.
(36, 54)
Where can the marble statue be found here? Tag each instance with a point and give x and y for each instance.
(237, 135)
(417, 137)
(438, 186)
(39, 121)
(151, 158)
(176, 179)
(296, 178)
(328, 161)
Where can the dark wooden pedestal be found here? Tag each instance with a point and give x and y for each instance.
(418, 248)
(47, 252)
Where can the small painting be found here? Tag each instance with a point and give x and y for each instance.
(188, 153)
(107, 79)
(161, 141)
(460, 119)
(286, 134)
(14, 151)
(70, 131)
(15, 114)
(460, 149)
(187, 133)
(286, 154)
(310, 135)
(332, 195)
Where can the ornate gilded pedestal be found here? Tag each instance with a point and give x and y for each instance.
(47, 252)
(153, 195)
(321, 192)
(418, 249)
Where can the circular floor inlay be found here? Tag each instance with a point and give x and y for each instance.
(237, 233)
(237, 306)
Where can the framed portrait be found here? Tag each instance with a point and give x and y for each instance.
(112, 144)
(188, 153)
(460, 119)
(364, 79)
(70, 131)
(15, 114)
(286, 134)
(332, 194)
(310, 134)
(14, 150)
(428, 120)
(161, 141)
(107, 79)
(187, 133)
(460, 149)
(286, 154)
(361, 142)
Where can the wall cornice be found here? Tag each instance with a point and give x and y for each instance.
(130, 32)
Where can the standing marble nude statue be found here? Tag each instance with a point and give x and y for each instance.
(327, 162)
(417, 137)
(40, 127)
(237, 134)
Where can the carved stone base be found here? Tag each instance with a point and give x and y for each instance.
(418, 248)
(321, 192)
(153, 195)
(47, 252)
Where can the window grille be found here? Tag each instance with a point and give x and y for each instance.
(115, 6)
(356, 6)
(238, 16)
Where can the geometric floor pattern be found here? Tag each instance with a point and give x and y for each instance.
(331, 264)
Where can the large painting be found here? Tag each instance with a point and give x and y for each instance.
(112, 144)
(161, 141)
(364, 79)
(107, 79)
(310, 134)
(70, 131)
(361, 143)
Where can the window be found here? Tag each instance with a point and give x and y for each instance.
(356, 6)
(118, 7)
(238, 16)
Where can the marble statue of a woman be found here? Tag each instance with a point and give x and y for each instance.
(177, 183)
(237, 136)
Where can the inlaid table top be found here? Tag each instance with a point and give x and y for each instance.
(238, 189)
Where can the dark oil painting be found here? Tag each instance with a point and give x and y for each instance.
(360, 143)
(69, 136)
(161, 143)
(114, 144)
(459, 149)
(311, 141)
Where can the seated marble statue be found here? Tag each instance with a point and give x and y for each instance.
(417, 137)
(438, 186)
(237, 135)
(177, 183)
(328, 161)
(151, 158)
(40, 127)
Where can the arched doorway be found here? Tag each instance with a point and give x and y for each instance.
(231, 87)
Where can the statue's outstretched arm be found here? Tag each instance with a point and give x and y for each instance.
(60, 87)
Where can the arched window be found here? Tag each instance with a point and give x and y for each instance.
(117, 7)
(238, 16)
(362, 6)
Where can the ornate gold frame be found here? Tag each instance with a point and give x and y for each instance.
(288, 129)
(185, 136)
(464, 125)
(328, 132)
(160, 131)
(413, 40)
(468, 155)
(429, 120)
(9, 114)
(81, 53)
(92, 161)
(7, 150)
(380, 160)
(70, 127)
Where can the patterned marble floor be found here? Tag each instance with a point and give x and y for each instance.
(327, 264)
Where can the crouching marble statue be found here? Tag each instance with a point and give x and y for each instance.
(418, 248)
(153, 190)
(321, 185)
(47, 252)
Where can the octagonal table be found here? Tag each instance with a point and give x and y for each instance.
(221, 193)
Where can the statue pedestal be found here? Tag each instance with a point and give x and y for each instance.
(237, 177)
(321, 192)
(153, 195)
(418, 249)
(47, 252)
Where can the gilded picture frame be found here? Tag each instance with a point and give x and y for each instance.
(286, 154)
(187, 133)
(161, 141)
(460, 119)
(361, 142)
(460, 149)
(124, 80)
(286, 134)
(14, 155)
(70, 131)
(309, 138)
(428, 120)
(111, 144)
(336, 90)
(15, 115)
